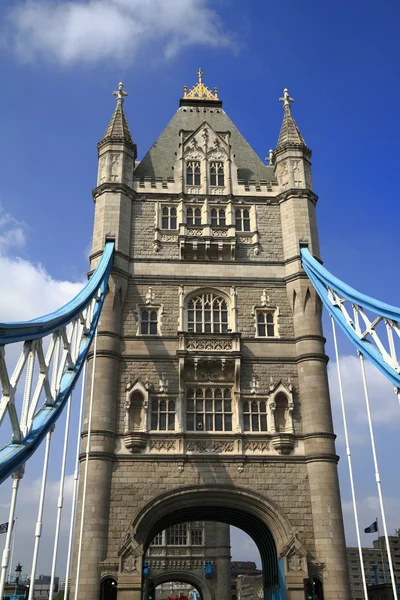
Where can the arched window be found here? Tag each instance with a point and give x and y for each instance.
(255, 415)
(193, 216)
(265, 323)
(108, 589)
(217, 177)
(217, 217)
(208, 313)
(242, 219)
(193, 172)
(281, 410)
(163, 415)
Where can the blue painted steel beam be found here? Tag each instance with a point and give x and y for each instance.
(322, 279)
(13, 456)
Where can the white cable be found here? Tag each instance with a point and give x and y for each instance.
(60, 497)
(76, 480)
(6, 552)
(348, 453)
(13, 533)
(377, 476)
(39, 522)
(78, 566)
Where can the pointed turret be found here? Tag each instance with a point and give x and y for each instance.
(291, 156)
(113, 194)
(117, 151)
(118, 129)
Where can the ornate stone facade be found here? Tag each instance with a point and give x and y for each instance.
(211, 398)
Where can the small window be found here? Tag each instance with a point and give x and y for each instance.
(193, 172)
(242, 218)
(255, 415)
(177, 535)
(217, 217)
(149, 321)
(163, 415)
(217, 177)
(168, 217)
(265, 324)
(158, 540)
(193, 216)
(196, 536)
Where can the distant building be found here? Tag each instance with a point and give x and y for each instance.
(249, 587)
(376, 569)
(381, 591)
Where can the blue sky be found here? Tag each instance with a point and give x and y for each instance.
(60, 62)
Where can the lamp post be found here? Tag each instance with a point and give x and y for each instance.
(18, 571)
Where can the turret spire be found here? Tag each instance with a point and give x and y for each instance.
(290, 133)
(118, 129)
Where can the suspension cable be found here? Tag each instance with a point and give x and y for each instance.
(39, 522)
(75, 485)
(377, 475)
(6, 552)
(78, 566)
(349, 461)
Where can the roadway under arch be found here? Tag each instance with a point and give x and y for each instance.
(204, 591)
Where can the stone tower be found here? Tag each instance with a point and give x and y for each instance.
(211, 399)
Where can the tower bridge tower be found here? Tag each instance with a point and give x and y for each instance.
(211, 399)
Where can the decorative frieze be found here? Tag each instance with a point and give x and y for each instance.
(210, 446)
(209, 344)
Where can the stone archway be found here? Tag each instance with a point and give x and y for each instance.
(205, 592)
(282, 554)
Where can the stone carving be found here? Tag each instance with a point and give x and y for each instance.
(216, 191)
(115, 164)
(128, 564)
(209, 447)
(193, 190)
(195, 232)
(209, 344)
(210, 371)
(295, 563)
(257, 445)
(245, 240)
(102, 169)
(220, 232)
(169, 238)
(159, 445)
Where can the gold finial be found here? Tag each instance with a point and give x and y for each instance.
(287, 100)
(120, 93)
(200, 91)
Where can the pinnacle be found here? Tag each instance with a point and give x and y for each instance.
(118, 129)
(290, 133)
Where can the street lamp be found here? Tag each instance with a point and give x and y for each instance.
(18, 571)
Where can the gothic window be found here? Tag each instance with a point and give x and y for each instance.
(209, 409)
(265, 323)
(177, 535)
(193, 172)
(217, 176)
(281, 410)
(158, 540)
(149, 321)
(193, 216)
(196, 536)
(208, 313)
(168, 217)
(163, 415)
(217, 217)
(255, 415)
(242, 218)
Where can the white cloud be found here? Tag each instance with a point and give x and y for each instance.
(93, 30)
(12, 232)
(384, 404)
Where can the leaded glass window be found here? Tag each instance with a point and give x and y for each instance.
(218, 217)
(177, 535)
(242, 219)
(193, 172)
(149, 321)
(163, 415)
(193, 216)
(208, 313)
(255, 415)
(168, 217)
(209, 409)
(217, 177)
(265, 324)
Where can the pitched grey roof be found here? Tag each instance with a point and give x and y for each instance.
(117, 128)
(290, 133)
(160, 159)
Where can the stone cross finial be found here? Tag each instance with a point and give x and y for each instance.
(200, 75)
(287, 100)
(270, 157)
(120, 93)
